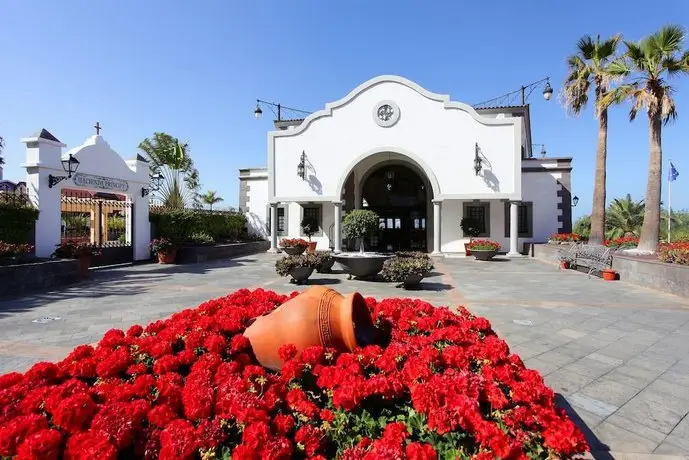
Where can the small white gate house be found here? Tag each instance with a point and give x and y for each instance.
(420, 161)
(101, 176)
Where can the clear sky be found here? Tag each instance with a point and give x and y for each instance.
(195, 69)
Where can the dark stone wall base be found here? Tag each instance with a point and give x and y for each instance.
(26, 278)
(654, 274)
(196, 254)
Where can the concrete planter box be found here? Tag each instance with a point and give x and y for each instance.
(546, 252)
(196, 254)
(26, 278)
(654, 274)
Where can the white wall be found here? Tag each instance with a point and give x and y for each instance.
(294, 215)
(444, 138)
(542, 188)
(257, 202)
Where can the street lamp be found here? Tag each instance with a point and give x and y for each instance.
(156, 182)
(277, 109)
(301, 167)
(543, 152)
(477, 160)
(70, 166)
(575, 201)
(524, 92)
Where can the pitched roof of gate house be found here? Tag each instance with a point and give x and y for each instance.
(45, 134)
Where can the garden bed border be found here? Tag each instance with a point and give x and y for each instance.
(197, 254)
(25, 278)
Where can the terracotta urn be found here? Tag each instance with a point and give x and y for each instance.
(167, 257)
(311, 248)
(317, 316)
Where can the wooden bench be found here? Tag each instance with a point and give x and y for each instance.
(592, 256)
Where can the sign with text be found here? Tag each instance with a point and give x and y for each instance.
(105, 183)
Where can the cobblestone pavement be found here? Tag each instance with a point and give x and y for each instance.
(617, 355)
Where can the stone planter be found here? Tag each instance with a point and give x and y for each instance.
(293, 250)
(467, 251)
(319, 316)
(359, 265)
(167, 257)
(301, 274)
(413, 280)
(483, 254)
(326, 266)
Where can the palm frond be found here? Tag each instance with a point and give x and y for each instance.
(668, 111)
(667, 40)
(608, 48)
(587, 47)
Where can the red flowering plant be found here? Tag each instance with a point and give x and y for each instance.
(483, 245)
(14, 253)
(189, 387)
(559, 238)
(75, 250)
(293, 242)
(624, 242)
(674, 253)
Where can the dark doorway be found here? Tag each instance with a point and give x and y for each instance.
(398, 195)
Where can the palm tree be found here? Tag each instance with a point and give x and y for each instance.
(582, 226)
(625, 217)
(647, 64)
(169, 157)
(2, 146)
(589, 68)
(210, 198)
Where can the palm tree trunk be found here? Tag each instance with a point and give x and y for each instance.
(597, 235)
(650, 230)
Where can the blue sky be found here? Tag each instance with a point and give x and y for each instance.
(194, 70)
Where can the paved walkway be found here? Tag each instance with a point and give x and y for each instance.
(617, 355)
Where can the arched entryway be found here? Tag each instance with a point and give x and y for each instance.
(399, 196)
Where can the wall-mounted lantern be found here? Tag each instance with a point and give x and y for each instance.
(477, 161)
(301, 167)
(575, 201)
(70, 165)
(156, 183)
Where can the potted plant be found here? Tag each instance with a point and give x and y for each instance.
(309, 226)
(609, 274)
(325, 261)
(360, 224)
(407, 269)
(565, 262)
(299, 267)
(471, 228)
(293, 246)
(83, 252)
(484, 249)
(165, 249)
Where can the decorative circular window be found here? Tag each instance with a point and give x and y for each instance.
(386, 113)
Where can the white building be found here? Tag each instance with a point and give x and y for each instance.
(409, 154)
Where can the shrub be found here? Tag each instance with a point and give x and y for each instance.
(179, 225)
(470, 227)
(201, 238)
(188, 387)
(17, 219)
(325, 259)
(565, 238)
(14, 250)
(74, 250)
(483, 245)
(285, 265)
(293, 242)
(398, 269)
(625, 242)
(674, 253)
(309, 226)
(360, 223)
(680, 236)
(161, 245)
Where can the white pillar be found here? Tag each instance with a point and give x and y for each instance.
(273, 227)
(138, 224)
(514, 230)
(338, 227)
(436, 227)
(43, 155)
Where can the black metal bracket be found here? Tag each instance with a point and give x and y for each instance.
(145, 191)
(54, 180)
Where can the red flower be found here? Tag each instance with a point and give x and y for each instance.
(178, 441)
(41, 445)
(420, 451)
(75, 412)
(309, 439)
(89, 446)
(17, 430)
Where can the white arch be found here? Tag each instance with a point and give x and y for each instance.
(409, 156)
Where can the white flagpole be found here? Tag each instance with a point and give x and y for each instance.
(669, 202)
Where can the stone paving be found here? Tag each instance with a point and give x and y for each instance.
(616, 354)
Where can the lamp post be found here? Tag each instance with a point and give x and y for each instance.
(278, 109)
(301, 167)
(70, 166)
(575, 201)
(543, 152)
(477, 160)
(523, 93)
(156, 182)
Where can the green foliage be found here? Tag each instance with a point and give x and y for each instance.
(161, 245)
(76, 223)
(116, 223)
(180, 224)
(360, 223)
(285, 265)
(470, 227)
(201, 238)
(309, 225)
(210, 198)
(624, 217)
(17, 222)
(399, 268)
(582, 226)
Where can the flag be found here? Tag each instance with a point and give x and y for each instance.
(673, 174)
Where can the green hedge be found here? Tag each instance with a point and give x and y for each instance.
(179, 225)
(17, 223)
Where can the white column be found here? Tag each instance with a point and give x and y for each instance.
(338, 227)
(273, 227)
(436, 227)
(514, 230)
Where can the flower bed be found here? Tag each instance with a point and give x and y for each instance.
(559, 238)
(624, 242)
(293, 242)
(187, 387)
(483, 245)
(674, 253)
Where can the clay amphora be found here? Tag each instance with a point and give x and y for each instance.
(317, 316)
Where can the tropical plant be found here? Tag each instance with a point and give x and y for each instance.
(624, 217)
(646, 65)
(210, 198)
(360, 223)
(588, 69)
(171, 158)
(76, 223)
(582, 226)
